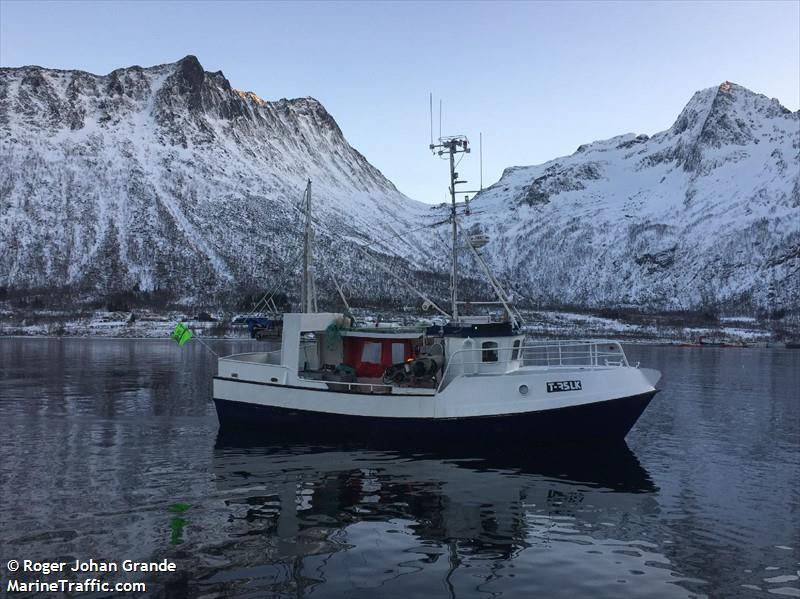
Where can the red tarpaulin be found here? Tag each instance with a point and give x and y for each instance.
(371, 357)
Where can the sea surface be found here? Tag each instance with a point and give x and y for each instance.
(109, 450)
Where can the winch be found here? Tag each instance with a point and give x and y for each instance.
(416, 371)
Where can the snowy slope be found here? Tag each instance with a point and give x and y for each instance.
(707, 211)
(168, 178)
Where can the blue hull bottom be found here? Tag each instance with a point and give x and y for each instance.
(610, 419)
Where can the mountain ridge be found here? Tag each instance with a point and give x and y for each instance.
(650, 215)
(169, 168)
(167, 178)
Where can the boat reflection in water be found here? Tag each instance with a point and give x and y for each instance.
(368, 521)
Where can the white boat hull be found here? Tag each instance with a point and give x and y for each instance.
(529, 404)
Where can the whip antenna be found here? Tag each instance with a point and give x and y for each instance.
(431, 112)
(480, 153)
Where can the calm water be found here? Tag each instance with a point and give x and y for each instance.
(98, 438)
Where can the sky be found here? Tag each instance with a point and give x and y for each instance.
(537, 79)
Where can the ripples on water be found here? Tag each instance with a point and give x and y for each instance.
(100, 437)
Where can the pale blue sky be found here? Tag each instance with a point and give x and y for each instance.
(538, 78)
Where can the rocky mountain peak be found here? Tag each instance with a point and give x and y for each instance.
(190, 87)
(190, 75)
(727, 115)
(704, 211)
(191, 68)
(166, 173)
(728, 106)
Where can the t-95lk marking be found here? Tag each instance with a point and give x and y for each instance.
(564, 386)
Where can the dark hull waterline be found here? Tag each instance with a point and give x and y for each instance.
(611, 419)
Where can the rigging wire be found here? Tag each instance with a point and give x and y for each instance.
(389, 272)
(338, 287)
(267, 296)
(361, 248)
(373, 241)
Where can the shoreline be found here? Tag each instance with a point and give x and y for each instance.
(653, 342)
(545, 325)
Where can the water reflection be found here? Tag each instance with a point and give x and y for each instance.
(359, 520)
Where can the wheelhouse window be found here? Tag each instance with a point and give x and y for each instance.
(398, 352)
(515, 351)
(371, 353)
(489, 353)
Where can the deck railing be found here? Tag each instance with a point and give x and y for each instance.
(590, 354)
(547, 354)
(262, 357)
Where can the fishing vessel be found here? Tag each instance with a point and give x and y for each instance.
(469, 376)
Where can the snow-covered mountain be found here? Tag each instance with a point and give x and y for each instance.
(705, 212)
(168, 178)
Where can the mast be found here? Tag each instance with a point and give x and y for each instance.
(454, 268)
(308, 292)
(452, 146)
